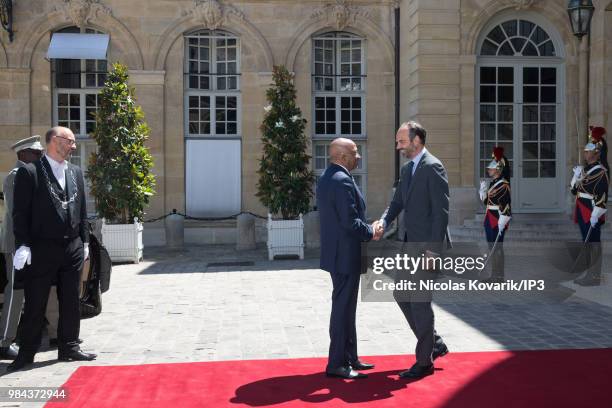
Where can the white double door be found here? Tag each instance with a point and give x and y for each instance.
(213, 177)
(519, 107)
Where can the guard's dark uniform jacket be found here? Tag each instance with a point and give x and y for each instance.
(591, 191)
(497, 202)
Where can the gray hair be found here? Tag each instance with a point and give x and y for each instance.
(54, 131)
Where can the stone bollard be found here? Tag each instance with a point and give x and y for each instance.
(175, 230)
(312, 233)
(245, 232)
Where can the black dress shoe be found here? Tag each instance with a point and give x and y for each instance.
(359, 365)
(344, 372)
(417, 371)
(20, 363)
(439, 351)
(9, 352)
(76, 355)
(54, 343)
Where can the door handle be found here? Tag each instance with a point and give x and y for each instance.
(527, 204)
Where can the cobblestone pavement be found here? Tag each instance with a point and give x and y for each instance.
(213, 303)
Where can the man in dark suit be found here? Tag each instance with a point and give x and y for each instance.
(422, 193)
(343, 228)
(49, 222)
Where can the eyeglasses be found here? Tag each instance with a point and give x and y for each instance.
(71, 141)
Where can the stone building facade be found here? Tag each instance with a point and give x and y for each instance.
(475, 73)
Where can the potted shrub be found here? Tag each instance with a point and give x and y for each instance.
(120, 171)
(285, 179)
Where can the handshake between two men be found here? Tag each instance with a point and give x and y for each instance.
(422, 193)
(379, 229)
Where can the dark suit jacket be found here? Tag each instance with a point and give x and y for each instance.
(425, 203)
(343, 222)
(37, 215)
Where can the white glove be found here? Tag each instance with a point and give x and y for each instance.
(577, 175)
(503, 222)
(86, 249)
(597, 212)
(483, 190)
(22, 256)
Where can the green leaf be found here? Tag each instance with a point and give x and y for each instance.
(120, 172)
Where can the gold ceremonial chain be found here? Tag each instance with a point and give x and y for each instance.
(64, 204)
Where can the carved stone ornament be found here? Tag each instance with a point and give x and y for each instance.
(520, 4)
(211, 13)
(340, 14)
(81, 12)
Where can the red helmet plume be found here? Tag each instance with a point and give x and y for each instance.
(597, 133)
(498, 153)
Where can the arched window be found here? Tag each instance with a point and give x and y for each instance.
(212, 84)
(519, 83)
(76, 84)
(212, 123)
(338, 89)
(518, 38)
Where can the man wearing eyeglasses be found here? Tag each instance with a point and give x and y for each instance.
(49, 222)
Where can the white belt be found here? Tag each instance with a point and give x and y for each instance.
(585, 195)
(493, 207)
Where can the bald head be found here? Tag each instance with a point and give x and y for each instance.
(344, 152)
(54, 131)
(61, 143)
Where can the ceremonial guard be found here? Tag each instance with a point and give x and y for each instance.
(496, 198)
(27, 150)
(590, 186)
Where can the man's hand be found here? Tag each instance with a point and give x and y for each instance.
(430, 260)
(577, 175)
(597, 212)
(483, 190)
(377, 227)
(22, 256)
(503, 222)
(86, 250)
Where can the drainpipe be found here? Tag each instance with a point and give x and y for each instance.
(396, 12)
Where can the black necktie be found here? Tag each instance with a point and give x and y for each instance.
(409, 175)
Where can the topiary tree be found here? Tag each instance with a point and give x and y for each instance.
(285, 179)
(120, 172)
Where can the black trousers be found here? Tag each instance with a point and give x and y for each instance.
(56, 262)
(593, 249)
(342, 330)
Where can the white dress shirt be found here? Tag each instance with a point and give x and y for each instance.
(59, 171)
(416, 160)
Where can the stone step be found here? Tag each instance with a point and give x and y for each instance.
(529, 219)
(476, 236)
(525, 232)
(567, 227)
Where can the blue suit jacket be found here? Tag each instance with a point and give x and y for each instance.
(343, 223)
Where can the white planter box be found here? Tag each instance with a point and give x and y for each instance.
(285, 237)
(123, 241)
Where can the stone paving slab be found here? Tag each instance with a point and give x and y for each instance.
(174, 307)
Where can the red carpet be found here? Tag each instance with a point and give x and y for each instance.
(555, 378)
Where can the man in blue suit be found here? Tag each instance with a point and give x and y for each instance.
(343, 228)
